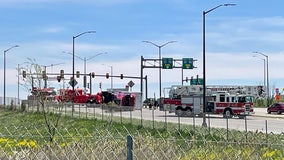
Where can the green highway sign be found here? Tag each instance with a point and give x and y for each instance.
(187, 63)
(167, 63)
(200, 81)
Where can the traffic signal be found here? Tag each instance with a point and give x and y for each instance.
(58, 78)
(24, 74)
(85, 81)
(197, 80)
(93, 74)
(107, 75)
(100, 85)
(77, 74)
(43, 74)
(186, 79)
(121, 76)
(62, 73)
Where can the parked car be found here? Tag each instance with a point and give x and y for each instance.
(276, 107)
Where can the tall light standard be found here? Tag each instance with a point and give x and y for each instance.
(267, 79)
(73, 66)
(5, 52)
(264, 81)
(204, 69)
(111, 73)
(85, 59)
(44, 69)
(160, 67)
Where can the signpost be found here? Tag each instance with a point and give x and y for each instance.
(199, 81)
(167, 63)
(73, 81)
(187, 63)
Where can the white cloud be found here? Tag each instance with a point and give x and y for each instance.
(28, 3)
(53, 29)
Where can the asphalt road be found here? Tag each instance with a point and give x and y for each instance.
(260, 121)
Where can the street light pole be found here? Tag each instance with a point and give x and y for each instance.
(85, 59)
(204, 69)
(5, 52)
(160, 67)
(51, 65)
(267, 79)
(111, 73)
(73, 66)
(264, 81)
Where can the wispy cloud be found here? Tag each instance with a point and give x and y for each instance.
(53, 29)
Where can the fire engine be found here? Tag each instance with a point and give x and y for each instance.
(44, 93)
(124, 99)
(188, 101)
(66, 95)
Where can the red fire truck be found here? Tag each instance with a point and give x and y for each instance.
(188, 101)
(66, 95)
(124, 99)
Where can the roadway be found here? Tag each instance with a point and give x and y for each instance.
(260, 121)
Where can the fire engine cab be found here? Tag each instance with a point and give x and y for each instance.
(188, 101)
(230, 104)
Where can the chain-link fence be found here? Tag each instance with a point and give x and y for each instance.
(104, 142)
(136, 135)
(122, 115)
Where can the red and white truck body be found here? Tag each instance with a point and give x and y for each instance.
(188, 101)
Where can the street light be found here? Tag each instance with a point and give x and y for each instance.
(111, 73)
(267, 80)
(85, 59)
(73, 66)
(5, 51)
(264, 82)
(160, 67)
(51, 65)
(204, 69)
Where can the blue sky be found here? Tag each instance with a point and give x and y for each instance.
(44, 28)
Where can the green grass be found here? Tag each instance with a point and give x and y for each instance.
(23, 130)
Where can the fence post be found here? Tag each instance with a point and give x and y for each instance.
(227, 128)
(153, 118)
(246, 128)
(266, 132)
(129, 148)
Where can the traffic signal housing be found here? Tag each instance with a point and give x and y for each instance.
(58, 78)
(93, 74)
(43, 74)
(77, 74)
(85, 81)
(24, 74)
(121, 76)
(107, 75)
(61, 73)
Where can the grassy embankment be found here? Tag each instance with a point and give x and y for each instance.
(27, 131)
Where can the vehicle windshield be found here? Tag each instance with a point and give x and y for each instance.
(245, 99)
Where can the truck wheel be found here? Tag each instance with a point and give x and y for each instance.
(241, 116)
(187, 113)
(179, 112)
(227, 114)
